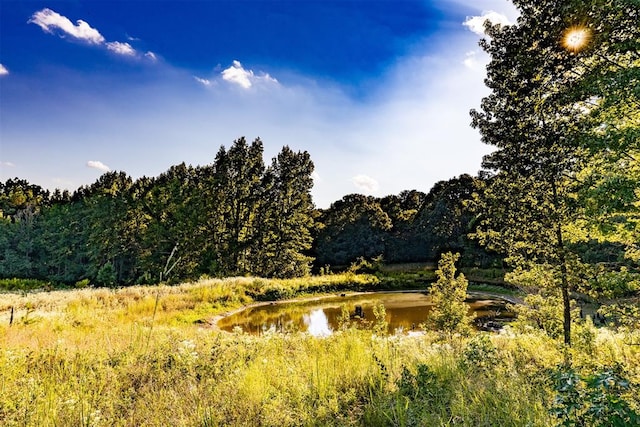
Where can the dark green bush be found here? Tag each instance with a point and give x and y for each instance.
(595, 399)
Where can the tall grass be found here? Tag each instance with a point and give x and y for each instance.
(90, 357)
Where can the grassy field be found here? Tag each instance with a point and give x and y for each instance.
(147, 356)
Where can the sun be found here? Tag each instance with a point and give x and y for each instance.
(575, 38)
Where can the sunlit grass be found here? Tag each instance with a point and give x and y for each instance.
(101, 357)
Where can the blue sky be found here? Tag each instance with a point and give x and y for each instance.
(378, 92)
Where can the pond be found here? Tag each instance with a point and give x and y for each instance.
(405, 312)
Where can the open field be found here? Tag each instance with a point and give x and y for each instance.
(146, 356)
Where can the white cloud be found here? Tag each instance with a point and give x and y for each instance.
(121, 48)
(476, 23)
(365, 183)
(3, 70)
(237, 74)
(49, 20)
(316, 176)
(7, 164)
(204, 82)
(95, 164)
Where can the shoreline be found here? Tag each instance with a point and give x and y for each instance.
(213, 321)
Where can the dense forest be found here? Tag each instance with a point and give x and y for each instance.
(236, 216)
(233, 217)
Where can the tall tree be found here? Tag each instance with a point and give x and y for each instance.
(444, 220)
(170, 212)
(238, 188)
(111, 235)
(605, 49)
(20, 206)
(62, 232)
(285, 218)
(542, 130)
(17, 194)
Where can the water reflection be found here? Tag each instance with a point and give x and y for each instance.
(317, 323)
(405, 312)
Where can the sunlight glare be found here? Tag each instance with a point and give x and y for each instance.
(317, 323)
(575, 38)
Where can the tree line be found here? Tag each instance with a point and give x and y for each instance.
(235, 216)
(409, 227)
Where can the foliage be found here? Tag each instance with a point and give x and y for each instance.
(446, 218)
(106, 275)
(231, 217)
(362, 265)
(409, 227)
(480, 354)
(286, 220)
(449, 314)
(23, 284)
(614, 284)
(235, 216)
(353, 227)
(540, 311)
(543, 306)
(607, 72)
(547, 109)
(624, 316)
(80, 284)
(584, 336)
(237, 189)
(421, 391)
(381, 325)
(17, 194)
(278, 289)
(595, 399)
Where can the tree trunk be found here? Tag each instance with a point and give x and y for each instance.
(566, 301)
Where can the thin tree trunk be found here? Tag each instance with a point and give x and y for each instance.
(566, 301)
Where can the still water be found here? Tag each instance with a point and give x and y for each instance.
(405, 311)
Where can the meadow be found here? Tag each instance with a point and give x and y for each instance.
(150, 356)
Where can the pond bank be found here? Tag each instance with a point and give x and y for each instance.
(403, 312)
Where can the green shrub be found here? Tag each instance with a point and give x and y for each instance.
(16, 284)
(423, 385)
(107, 275)
(594, 399)
(614, 284)
(81, 284)
(449, 314)
(480, 354)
